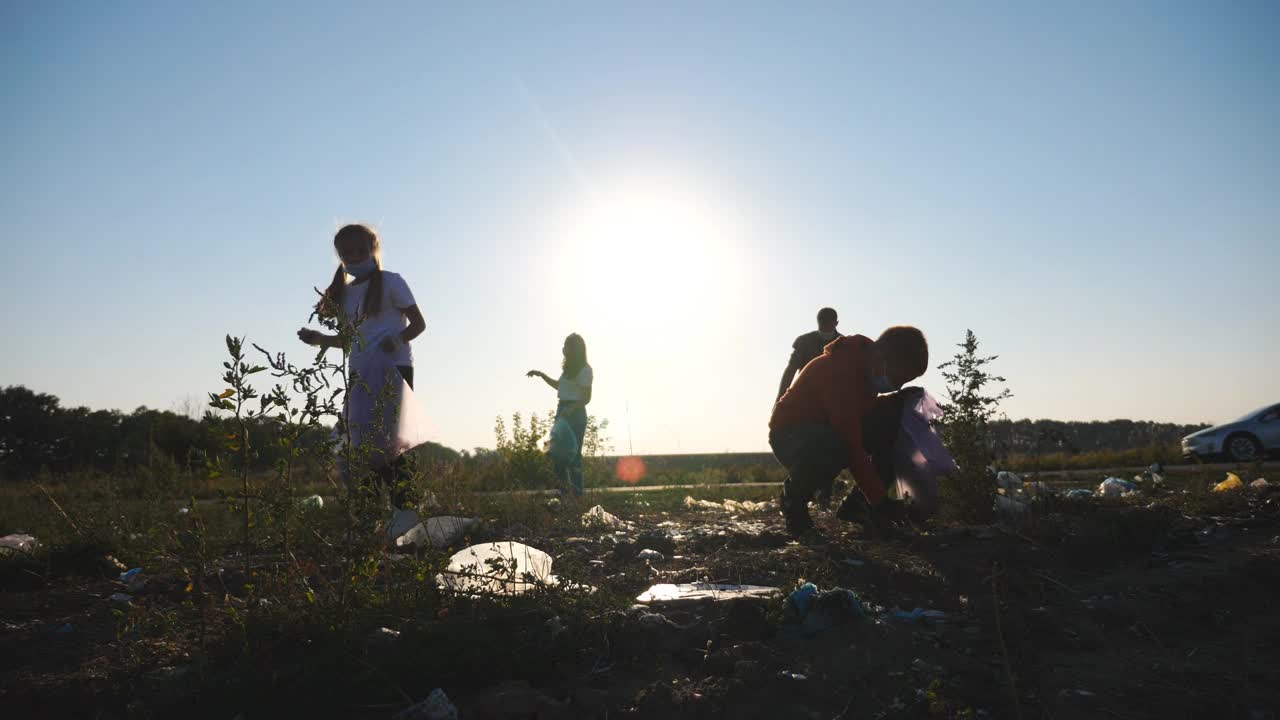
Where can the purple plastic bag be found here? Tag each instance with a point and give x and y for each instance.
(920, 457)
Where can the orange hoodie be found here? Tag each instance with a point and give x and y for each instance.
(834, 390)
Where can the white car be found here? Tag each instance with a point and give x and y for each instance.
(1250, 438)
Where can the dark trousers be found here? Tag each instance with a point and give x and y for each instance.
(815, 454)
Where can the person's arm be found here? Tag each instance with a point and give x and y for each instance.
(846, 406)
(787, 376)
(793, 366)
(417, 324)
(315, 337)
(555, 384)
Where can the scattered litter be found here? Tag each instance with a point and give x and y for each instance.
(554, 504)
(381, 641)
(818, 611)
(315, 502)
(1040, 488)
(1115, 487)
(1259, 485)
(446, 530)
(651, 555)
(555, 626)
(1011, 509)
(788, 675)
(1009, 480)
(435, 707)
(402, 523)
(746, 505)
(1231, 484)
(121, 598)
(732, 506)
(689, 502)
(1080, 493)
(507, 568)
(184, 510)
(441, 531)
(693, 593)
(133, 579)
(919, 615)
(598, 517)
(113, 562)
(19, 541)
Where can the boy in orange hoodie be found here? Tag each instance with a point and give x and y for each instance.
(844, 411)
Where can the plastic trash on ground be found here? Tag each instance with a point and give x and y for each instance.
(435, 707)
(1011, 509)
(1259, 485)
(1009, 480)
(920, 457)
(1115, 487)
(506, 568)
(817, 610)
(919, 615)
(598, 517)
(133, 579)
(651, 555)
(1080, 493)
(19, 542)
(695, 593)
(746, 506)
(441, 531)
(1039, 488)
(1231, 484)
(402, 524)
(315, 502)
(689, 502)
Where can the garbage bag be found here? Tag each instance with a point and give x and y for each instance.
(1231, 484)
(564, 442)
(920, 457)
(381, 415)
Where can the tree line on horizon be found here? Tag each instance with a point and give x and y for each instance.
(38, 435)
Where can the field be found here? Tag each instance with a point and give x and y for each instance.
(1149, 606)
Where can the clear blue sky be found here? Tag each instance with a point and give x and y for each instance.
(1094, 188)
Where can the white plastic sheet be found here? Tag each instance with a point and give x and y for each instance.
(668, 594)
(506, 568)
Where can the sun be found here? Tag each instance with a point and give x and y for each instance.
(652, 255)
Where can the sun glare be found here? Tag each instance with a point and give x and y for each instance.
(650, 255)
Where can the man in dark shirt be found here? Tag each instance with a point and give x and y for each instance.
(809, 346)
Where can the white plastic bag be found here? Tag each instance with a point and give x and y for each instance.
(506, 568)
(382, 418)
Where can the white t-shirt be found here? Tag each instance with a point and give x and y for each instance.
(575, 389)
(390, 320)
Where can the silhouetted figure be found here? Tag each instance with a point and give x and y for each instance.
(573, 388)
(845, 411)
(809, 346)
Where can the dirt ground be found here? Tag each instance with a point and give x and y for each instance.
(1123, 609)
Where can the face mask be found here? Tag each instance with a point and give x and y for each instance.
(828, 336)
(360, 269)
(881, 384)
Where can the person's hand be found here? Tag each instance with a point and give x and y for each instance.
(309, 336)
(534, 373)
(388, 344)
